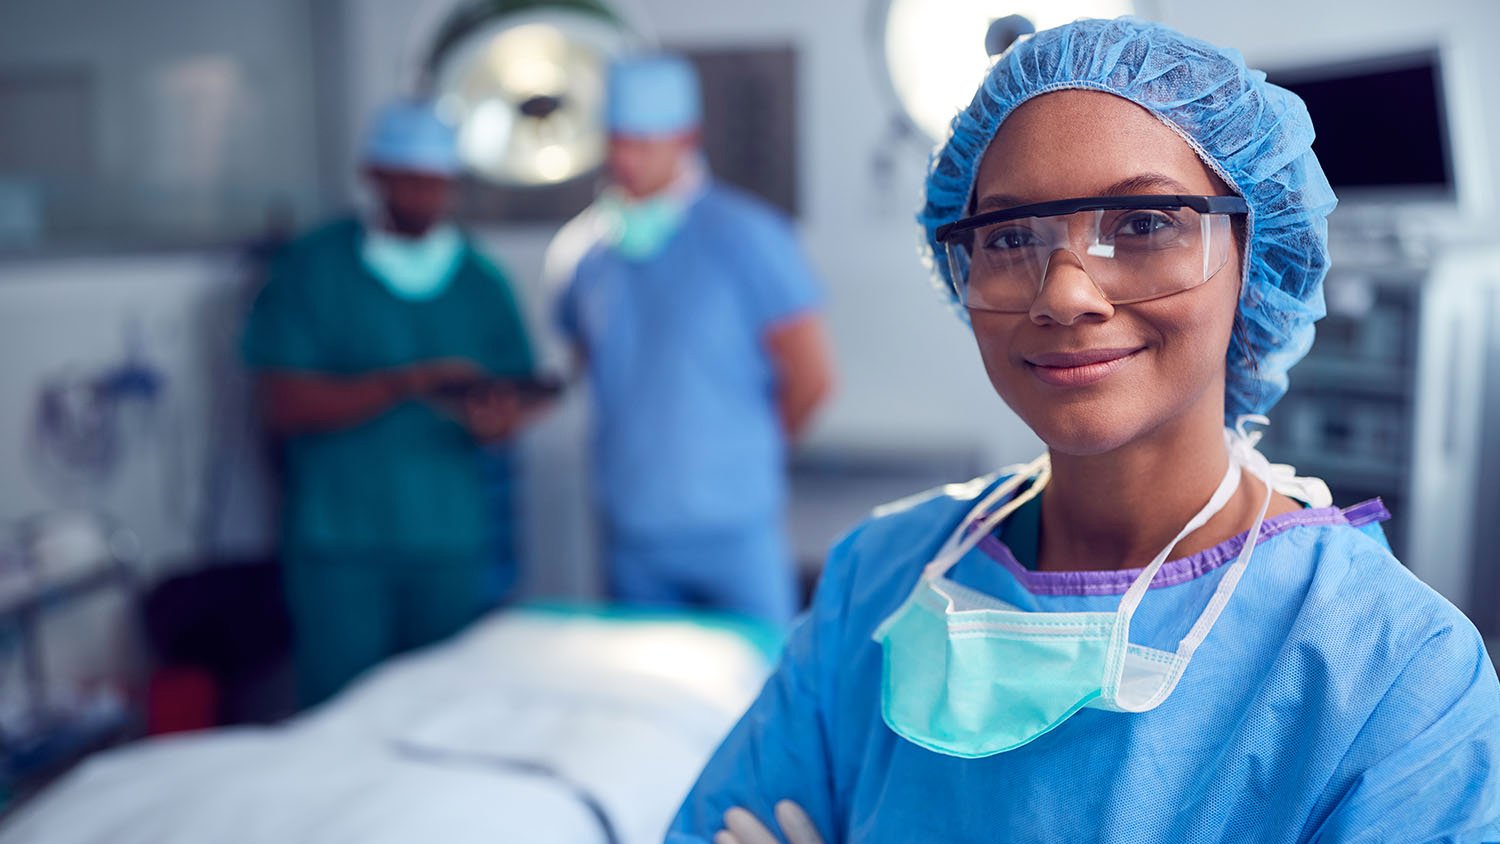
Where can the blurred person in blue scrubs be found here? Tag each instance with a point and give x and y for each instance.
(1149, 634)
(697, 318)
(373, 339)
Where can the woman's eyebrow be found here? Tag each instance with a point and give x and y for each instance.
(997, 202)
(1144, 183)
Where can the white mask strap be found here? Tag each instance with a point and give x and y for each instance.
(1242, 454)
(1283, 478)
(1243, 449)
(976, 525)
(1220, 498)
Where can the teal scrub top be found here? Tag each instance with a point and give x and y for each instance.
(410, 478)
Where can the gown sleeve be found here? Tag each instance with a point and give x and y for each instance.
(1425, 765)
(781, 282)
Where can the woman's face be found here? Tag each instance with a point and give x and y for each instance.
(1163, 359)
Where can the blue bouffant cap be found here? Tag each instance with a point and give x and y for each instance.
(409, 135)
(1256, 136)
(652, 95)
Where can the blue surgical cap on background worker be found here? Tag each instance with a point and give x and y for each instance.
(652, 95)
(408, 135)
(679, 292)
(388, 534)
(1337, 698)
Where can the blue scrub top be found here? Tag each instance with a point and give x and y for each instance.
(687, 430)
(411, 478)
(1337, 699)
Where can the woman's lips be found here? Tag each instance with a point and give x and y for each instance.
(1078, 369)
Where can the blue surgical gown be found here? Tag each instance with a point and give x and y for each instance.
(1338, 699)
(689, 452)
(688, 433)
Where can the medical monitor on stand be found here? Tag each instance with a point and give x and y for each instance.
(1400, 393)
(1382, 125)
(1385, 138)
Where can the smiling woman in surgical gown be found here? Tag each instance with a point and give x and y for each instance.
(1149, 634)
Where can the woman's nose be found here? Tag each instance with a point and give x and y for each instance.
(1067, 294)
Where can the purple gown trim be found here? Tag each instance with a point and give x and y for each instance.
(1173, 572)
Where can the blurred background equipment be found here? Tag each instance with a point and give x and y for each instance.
(925, 58)
(524, 81)
(220, 647)
(1397, 400)
(61, 575)
(1397, 98)
(71, 573)
(84, 425)
(1394, 398)
(932, 53)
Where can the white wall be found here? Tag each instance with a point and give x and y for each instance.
(202, 117)
(71, 319)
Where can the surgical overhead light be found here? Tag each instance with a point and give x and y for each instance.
(524, 82)
(935, 52)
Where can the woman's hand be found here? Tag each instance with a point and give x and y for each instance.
(741, 827)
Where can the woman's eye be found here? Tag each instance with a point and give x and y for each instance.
(1144, 225)
(1011, 238)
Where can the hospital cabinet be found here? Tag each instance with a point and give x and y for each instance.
(1400, 398)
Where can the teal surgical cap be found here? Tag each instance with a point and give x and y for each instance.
(1255, 136)
(652, 95)
(409, 135)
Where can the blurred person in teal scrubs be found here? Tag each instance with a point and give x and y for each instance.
(698, 320)
(371, 341)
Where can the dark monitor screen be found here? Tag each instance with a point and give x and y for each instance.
(1379, 123)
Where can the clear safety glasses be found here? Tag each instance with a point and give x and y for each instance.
(1133, 248)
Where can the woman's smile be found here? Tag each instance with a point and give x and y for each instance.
(1079, 369)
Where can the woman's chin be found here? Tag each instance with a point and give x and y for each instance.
(1082, 433)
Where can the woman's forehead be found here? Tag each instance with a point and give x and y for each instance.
(1086, 143)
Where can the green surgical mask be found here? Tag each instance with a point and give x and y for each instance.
(639, 230)
(968, 675)
(413, 268)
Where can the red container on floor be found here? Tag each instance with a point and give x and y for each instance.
(181, 699)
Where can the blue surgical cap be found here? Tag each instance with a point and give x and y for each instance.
(1255, 136)
(409, 135)
(652, 95)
